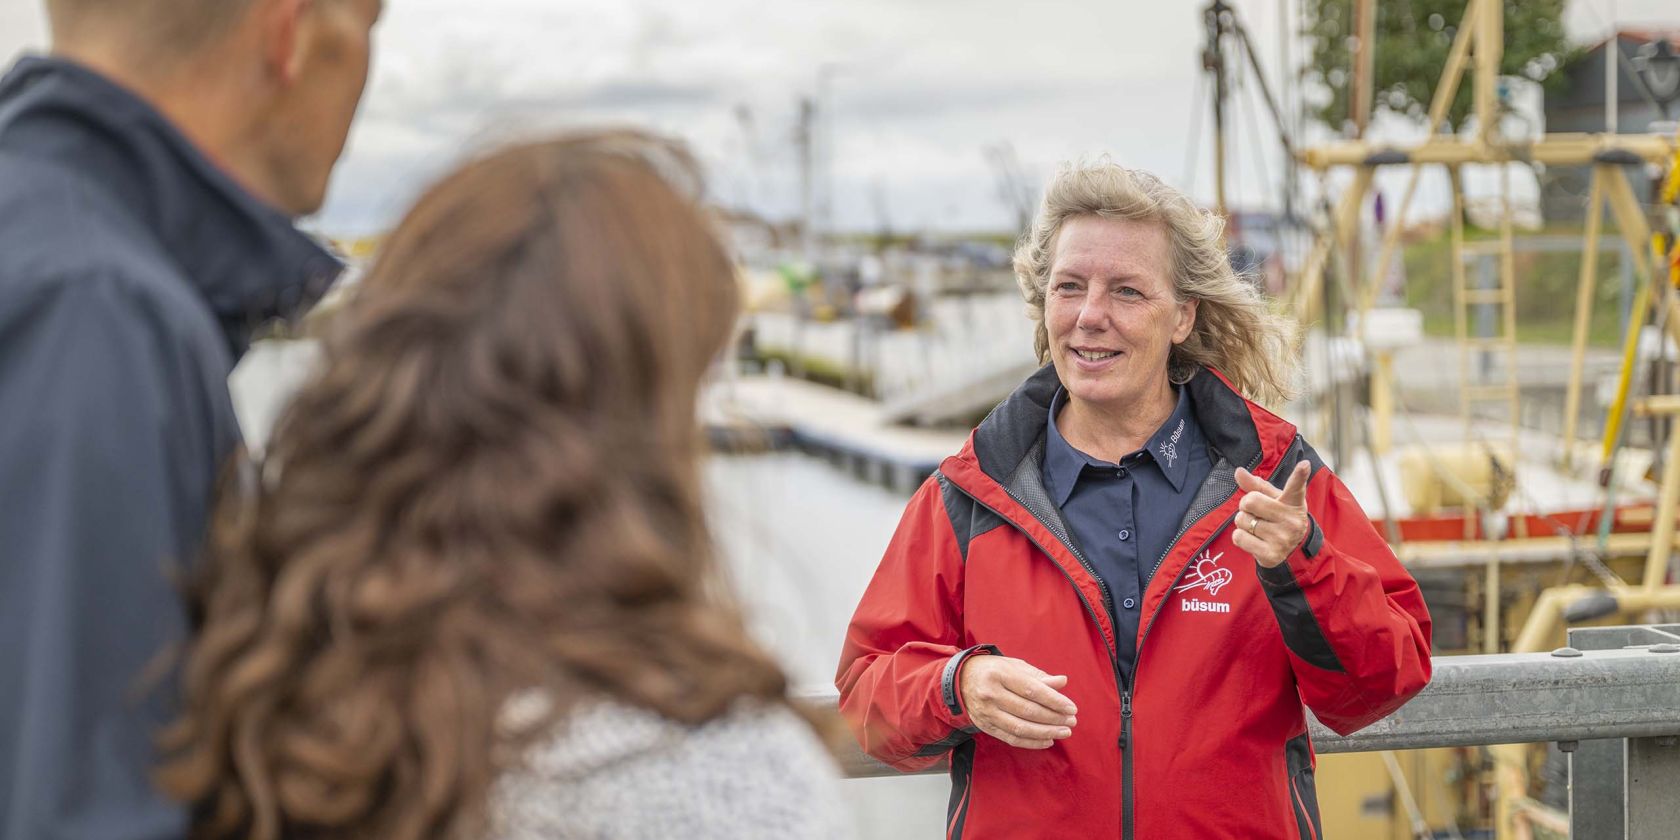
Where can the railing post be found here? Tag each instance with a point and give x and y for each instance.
(1653, 775)
(1596, 798)
(1595, 791)
(1603, 802)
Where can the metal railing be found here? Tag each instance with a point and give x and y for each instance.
(1622, 697)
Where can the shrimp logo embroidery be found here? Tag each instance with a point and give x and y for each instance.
(1206, 574)
(1169, 447)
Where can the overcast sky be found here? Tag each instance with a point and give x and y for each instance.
(915, 92)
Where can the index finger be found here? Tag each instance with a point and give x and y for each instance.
(1295, 490)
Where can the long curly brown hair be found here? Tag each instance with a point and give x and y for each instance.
(490, 486)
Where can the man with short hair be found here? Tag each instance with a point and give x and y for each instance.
(150, 169)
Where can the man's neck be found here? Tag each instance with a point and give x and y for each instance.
(1110, 435)
(204, 108)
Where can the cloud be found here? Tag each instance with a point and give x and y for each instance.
(911, 92)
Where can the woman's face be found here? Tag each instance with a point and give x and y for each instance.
(1110, 311)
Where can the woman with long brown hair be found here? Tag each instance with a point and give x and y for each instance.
(470, 592)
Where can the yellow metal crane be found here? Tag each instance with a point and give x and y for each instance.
(1477, 50)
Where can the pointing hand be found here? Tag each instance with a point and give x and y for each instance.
(1271, 523)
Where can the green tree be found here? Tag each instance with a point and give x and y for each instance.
(1413, 38)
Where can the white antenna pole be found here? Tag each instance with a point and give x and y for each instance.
(1612, 51)
(1285, 72)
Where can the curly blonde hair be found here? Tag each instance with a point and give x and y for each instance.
(1237, 332)
(490, 488)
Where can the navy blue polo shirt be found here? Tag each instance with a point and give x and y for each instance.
(1124, 515)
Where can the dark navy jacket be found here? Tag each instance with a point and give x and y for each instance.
(132, 273)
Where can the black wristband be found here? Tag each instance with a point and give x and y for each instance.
(948, 682)
(1314, 540)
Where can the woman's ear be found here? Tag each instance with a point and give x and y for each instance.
(1186, 320)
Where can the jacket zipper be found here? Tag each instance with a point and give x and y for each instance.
(1127, 817)
(1113, 653)
(1125, 686)
(1126, 759)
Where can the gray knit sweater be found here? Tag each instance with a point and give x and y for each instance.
(616, 772)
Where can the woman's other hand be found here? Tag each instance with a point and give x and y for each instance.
(1015, 702)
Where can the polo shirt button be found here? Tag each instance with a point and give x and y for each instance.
(1120, 473)
(1129, 603)
(1124, 535)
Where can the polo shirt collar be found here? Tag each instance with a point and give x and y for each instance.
(1062, 462)
(1171, 443)
(1169, 448)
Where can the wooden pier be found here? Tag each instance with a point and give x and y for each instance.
(776, 413)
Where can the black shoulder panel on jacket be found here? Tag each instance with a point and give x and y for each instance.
(1225, 419)
(1293, 455)
(969, 519)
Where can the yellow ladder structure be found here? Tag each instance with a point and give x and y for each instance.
(1504, 390)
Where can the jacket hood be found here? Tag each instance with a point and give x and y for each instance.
(245, 258)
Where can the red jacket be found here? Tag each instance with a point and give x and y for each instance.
(1210, 739)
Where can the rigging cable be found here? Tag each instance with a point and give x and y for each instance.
(1259, 151)
(1193, 147)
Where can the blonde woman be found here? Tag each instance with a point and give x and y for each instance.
(1114, 606)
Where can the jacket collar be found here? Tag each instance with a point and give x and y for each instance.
(1016, 427)
(245, 258)
(1000, 466)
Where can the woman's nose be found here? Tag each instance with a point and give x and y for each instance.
(1093, 313)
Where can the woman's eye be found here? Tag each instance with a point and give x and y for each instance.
(1128, 291)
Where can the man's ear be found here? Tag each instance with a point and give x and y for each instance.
(286, 38)
(1186, 320)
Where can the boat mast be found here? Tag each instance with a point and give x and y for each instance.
(1217, 18)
